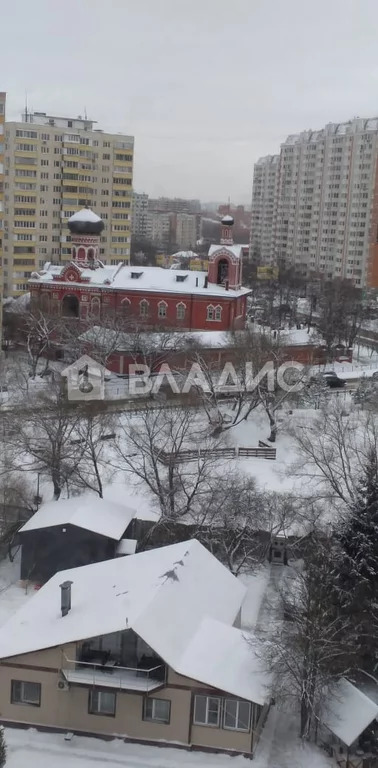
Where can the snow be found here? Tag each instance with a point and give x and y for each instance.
(236, 250)
(12, 594)
(185, 255)
(34, 749)
(127, 547)
(163, 595)
(349, 712)
(86, 214)
(154, 279)
(87, 511)
(223, 657)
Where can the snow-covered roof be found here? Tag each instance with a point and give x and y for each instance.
(86, 214)
(88, 511)
(179, 599)
(236, 250)
(185, 255)
(227, 219)
(348, 712)
(148, 279)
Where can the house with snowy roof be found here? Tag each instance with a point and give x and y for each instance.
(72, 532)
(147, 647)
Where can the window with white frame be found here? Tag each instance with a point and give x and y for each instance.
(162, 309)
(144, 308)
(236, 715)
(157, 709)
(102, 703)
(23, 692)
(207, 710)
(210, 312)
(95, 306)
(218, 313)
(125, 305)
(180, 311)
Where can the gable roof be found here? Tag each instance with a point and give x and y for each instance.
(348, 711)
(107, 518)
(235, 250)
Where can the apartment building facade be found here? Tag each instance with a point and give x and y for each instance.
(2, 120)
(53, 166)
(139, 214)
(317, 211)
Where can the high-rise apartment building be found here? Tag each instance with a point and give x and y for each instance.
(265, 179)
(174, 205)
(2, 120)
(53, 166)
(186, 228)
(315, 206)
(139, 214)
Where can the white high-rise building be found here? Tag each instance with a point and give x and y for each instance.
(315, 206)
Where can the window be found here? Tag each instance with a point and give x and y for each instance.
(157, 709)
(180, 311)
(23, 692)
(144, 307)
(218, 313)
(206, 710)
(210, 312)
(102, 703)
(237, 715)
(162, 309)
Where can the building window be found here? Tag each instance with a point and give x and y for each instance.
(24, 692)
(162, 309)
(237, 715)
(180, 311)
(144, 307)
(210, 312)
(125, 305)
(102, 703)
(157, 709)
(207, 710)
(95, 307)
(218, 313)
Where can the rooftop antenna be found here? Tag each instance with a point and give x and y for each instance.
(26, 106)
(229, 204)
(85, 113)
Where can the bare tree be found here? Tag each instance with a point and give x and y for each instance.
(332, 450)
(150, 446)
(94, 433)
(306, 650)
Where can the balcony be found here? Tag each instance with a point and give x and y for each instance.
(109, 675)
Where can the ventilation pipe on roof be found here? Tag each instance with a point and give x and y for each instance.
(206, 281)
(196, 282)
(65, 597)
(226, 285)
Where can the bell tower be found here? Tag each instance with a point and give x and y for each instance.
(86, 227)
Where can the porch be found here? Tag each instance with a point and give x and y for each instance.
(110, 675)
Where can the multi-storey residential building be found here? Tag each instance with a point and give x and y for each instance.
(186, 228)
(265, 178)
(54, 166)
(159, 229)
(2, 119)
(325, 207)
(139, 214)
(174, 205)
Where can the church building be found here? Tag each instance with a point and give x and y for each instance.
(88, 290)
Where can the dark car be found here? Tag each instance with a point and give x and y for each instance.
(330, 378)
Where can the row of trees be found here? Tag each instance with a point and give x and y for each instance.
(329, 599)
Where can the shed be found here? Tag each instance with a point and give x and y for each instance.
(72, 532)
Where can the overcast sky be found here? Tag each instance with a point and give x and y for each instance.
(205, 86)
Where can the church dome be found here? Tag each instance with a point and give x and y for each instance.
(227, 220)
(85, 222)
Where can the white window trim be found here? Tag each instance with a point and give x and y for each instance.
(179, 305)
(144, 307)
(236, 727)
(207, 724)
(208, 308)
(160, 305)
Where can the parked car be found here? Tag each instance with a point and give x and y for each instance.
(330, 378)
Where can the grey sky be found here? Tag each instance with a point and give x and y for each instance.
(206, 86)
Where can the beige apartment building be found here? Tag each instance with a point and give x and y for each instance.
(315, 205)
(53, 167)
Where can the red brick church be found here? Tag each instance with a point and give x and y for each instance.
(88, 290)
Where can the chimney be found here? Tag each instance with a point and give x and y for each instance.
(196, 282)
(226, 285)
(206, 281)
(65, 597)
